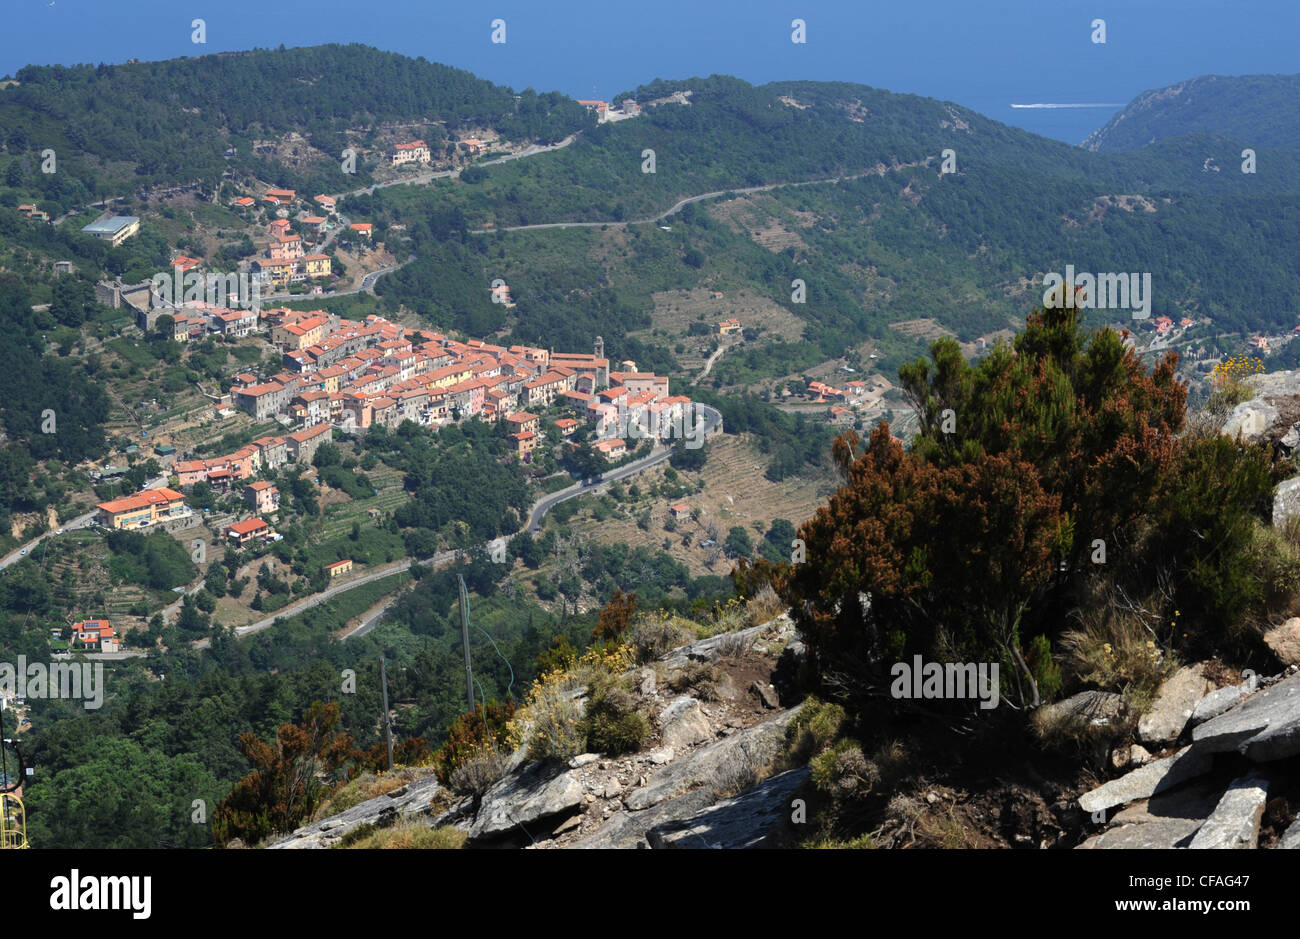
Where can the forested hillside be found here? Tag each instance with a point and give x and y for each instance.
(1256, 110)
(174, 121)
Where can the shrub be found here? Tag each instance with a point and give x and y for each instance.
(476, 773)
(698, 679)
(559, 657)
(550, 722)
(470, 734)
(612, 724)
(554, 723)
(843, 772)
(654, 634)
(1114, 651)
(405, 835)
(812, 730)
(764, 606)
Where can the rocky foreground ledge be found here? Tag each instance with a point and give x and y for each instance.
(697, 786)
(1234, 749)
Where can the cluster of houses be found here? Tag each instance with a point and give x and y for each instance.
(821, 393)
(1164, 324)
(265, 453)
(32, 212)
(361, 374)
(417, 151)
(286, 260)
(605, 111)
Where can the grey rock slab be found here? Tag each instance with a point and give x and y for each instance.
(1291, 837)
(405, 802)
(676, 708)
(648, 683)
(749, 820)
(1088, 707)
(1286, 500)
(1235, 821)
(1161, 833)
(526, 797)
(766, 694)
(582, 759)
(628, 829)
(1195, 800)
(1266, 726)
(1216, 703)
(1146, 781)
(716, 647)
(684, 724)
(1173, 706)
(752, 748)
(1250, 419)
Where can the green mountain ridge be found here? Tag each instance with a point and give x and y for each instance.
(1258, 110)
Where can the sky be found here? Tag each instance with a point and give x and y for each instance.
(984, 54)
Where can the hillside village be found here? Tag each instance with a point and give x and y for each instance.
(351, 376)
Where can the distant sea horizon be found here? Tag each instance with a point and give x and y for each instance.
(982, 56)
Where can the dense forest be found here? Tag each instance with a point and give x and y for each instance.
(175, 120)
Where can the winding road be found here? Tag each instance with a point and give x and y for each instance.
(81, 521)
(712, 425)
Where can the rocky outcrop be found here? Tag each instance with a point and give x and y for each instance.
(409, 801)
(628, 829)
(1250, 419)
(1261, 725)
(684, 724)
(1235, 821)
(1147, 780)
(1217, 702)
(1286, 500)
(1173, 706)
(536, 795)
(1284, 640)
(767, 637)
(752, 819)
(730, 758)
(1265, 726)
(1089, 707)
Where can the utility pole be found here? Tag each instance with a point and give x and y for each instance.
(464, 638)
(388, 727)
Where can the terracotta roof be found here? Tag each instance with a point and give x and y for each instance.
(140, 500)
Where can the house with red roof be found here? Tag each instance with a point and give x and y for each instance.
(94, 635)
(248, 530)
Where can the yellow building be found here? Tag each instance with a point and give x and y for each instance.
(142, 509)
(339, 568)
(316, 265)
